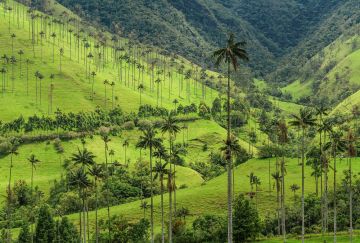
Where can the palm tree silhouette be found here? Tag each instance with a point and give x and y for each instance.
(33, 161)
(160, 171)
(148, 140)
(230, 55)
(97, 171)
(302, 121)
(335, 145)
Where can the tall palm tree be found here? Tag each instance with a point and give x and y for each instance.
(160, 171)
(85, 159)
(170, 125)
(148, 140)
(97, 172)
(20, 53)
(106, 140)
(326, 127)
(351, 150)
(106, 83)
(61, 54)
(81, 180)
(33, 161)
(13, 151)
(93, 74)
(283, 139)
(302, 121)
(335, 145)
(321, 110)
(125, 146)
(230, 55)
(141, 89)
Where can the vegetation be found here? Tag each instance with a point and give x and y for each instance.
(105, 138)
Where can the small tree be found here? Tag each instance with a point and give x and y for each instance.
(24, 235)
(45, 226)
(246, 220)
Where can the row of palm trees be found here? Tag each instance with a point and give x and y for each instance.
(97, 54)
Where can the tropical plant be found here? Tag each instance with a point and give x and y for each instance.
(230, 55)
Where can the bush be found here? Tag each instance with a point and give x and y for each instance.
(246, 220)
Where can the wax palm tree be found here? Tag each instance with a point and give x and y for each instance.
(33, 161)
(230, 55)
(20, 53)
(13, 151)
(106, 140)
(84, 158)
(106, 83)
(160, 171)
(81, 180)
(282, 140)
(351, 152)
(335, 145)
(141, 89)
(158, 82)
(61, 54)
(144, 206)
(125, 146)
(277, 177)
(42, 34)
(112, 85)
(148, 140)
(326, 127)
(294, 188)
(302, 121)
(97, 172)
(321, 110)
(13, 36)
(53, 36)
(3, 72)
(175, 102)
(170, 125)
(93, 74)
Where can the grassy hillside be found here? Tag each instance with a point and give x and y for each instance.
(211, 196)
(332, 73)
(73, 84)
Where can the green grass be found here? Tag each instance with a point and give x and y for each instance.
(72, 89)
(210, 197)
(347, 60)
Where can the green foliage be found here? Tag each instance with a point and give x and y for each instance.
(247, 225)
(45, 226)
(24, 235)
(67, 231)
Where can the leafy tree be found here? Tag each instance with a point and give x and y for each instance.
(24, 235)
(45, 226)
(247, 224)
(67, 232)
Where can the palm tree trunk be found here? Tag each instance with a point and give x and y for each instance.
(350, 200)
(96, 213)
(283, 199)
(152, 198)
(162, 210)
(335, 205)
(229, 175)
(303, 186)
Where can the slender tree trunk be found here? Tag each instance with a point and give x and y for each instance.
(303, 186)
(229, 175)
(335, 203)
(162, 209)
(96, 213)
(350, 201)
(152, 197)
